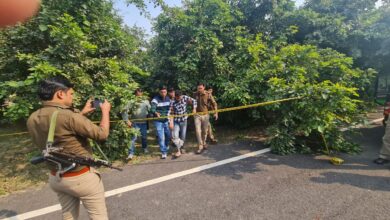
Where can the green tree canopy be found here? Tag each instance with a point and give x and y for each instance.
(248, 57)
(84, 41)
(248, 51)
(358, 28)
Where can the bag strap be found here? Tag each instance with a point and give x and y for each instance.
(52, 128)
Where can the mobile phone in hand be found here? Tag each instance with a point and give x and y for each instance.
(96, 104)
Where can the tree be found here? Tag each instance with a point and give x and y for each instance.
(194, 43)
(356, 28)
(81, 40)
(262, 16)
(324, 79)
(220, 44)
(248, 51)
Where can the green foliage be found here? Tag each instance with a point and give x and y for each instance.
(196, 42)
(120, 140)
(81, 40)
(217, 46)
(263, 16)
(249, 51)
(140, 4)
(324, 78)
(358, 28)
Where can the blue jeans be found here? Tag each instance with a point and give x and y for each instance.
(163, 134)
(179, 133)
(142, 127)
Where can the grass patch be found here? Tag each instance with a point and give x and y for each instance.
(16, 172)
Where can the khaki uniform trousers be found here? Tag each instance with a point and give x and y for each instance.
(201, 128)
(87, 187)
(210, 134)
(385, 150)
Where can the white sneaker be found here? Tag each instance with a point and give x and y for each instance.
(163, 156)
(146, 151)
(130, 157)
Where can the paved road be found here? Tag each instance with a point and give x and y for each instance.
(261, 187)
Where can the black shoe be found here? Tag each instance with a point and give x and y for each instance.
(381, 161)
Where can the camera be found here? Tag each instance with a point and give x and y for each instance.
(96, 103)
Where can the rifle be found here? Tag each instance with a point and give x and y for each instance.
(68, 160)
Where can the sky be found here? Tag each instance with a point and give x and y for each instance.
(131, 15)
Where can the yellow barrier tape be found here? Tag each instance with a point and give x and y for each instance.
(214, 111)
(192, 114)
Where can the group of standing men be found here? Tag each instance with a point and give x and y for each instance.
(170, 107)
(71, 129)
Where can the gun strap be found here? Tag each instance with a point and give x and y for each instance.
(101, 152)
(52, 128)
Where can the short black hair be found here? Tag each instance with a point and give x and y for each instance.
(171, 89)
(201, 84)
(162, 88)
(48, 87)
(137, 90)
(178, 93)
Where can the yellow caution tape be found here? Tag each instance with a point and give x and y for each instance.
(192, 114)
(215, 111)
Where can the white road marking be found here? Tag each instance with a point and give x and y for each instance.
(114, 192)
(118, 191)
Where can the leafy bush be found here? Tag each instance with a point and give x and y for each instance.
(81, 40)
(324, 79)
(244, 50)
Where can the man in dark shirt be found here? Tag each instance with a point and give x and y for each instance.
(160, 107)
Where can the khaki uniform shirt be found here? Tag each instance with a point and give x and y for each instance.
(204, 100)
(72, 129)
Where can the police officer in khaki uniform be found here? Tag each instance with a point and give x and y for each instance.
(72, 131)
(203, 99)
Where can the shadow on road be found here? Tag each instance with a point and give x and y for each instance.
(4, 213)
(235, 170)
(369, 138)
(375, 183)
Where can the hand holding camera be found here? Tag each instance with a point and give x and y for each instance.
(88, 107)
(105, 106)
(96, 104)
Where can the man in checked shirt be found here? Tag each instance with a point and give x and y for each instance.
(178, 125)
